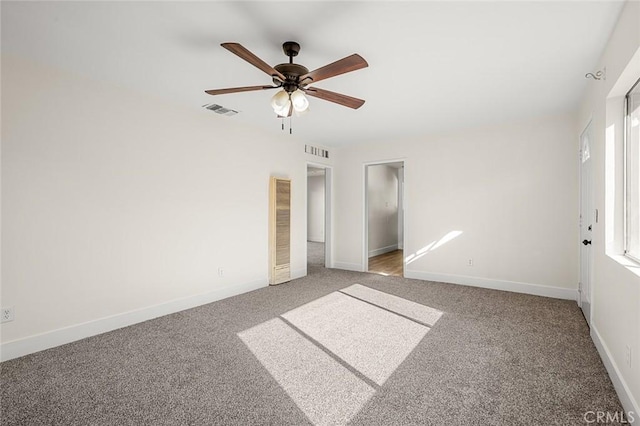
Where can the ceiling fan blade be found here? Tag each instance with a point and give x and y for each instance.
(344, 65)
(337, 98)
(241, 51)
(238, 89)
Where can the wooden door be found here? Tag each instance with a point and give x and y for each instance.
(279, 231)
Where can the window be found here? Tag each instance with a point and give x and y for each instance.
(632, 172)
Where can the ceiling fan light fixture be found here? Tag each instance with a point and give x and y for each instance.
(280, 101)
(292, 80)
(282, 104)
(283, 112)
(299, 100)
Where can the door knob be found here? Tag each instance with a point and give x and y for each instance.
(586, 242)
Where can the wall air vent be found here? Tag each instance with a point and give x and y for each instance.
(316, 151)
(219, 109)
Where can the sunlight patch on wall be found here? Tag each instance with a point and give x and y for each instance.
(610, 184)
(431, 247)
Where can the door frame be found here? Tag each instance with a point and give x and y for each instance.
(364, 267)
(328, 209)
(588, 315)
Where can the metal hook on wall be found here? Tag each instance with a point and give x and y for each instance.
(599, 75)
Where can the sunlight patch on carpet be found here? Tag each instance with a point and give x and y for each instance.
(370, 339)
(421, 313)
(330, 355)
(324, 390)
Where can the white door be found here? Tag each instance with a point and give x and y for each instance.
(586, 222)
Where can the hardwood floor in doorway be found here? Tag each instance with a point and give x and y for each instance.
(387, 263)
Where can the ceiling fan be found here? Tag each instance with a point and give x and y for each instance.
(294, 79)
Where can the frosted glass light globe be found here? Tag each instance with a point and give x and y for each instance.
(299, 100)
(284, 110)
(280, 100)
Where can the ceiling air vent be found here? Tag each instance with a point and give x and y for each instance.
(316, 151)
(219, 109)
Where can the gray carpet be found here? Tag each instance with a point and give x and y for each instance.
(371, 340)
(315, 253)
(406, 308)
(301, 368)
(492, 358)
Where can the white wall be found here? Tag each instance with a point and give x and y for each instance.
(400, 208)
(114, 203)
(315, 208)
(616, 287)
(511, 190)
(382, 196)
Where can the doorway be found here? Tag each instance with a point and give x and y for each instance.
(384, 218)
(586, 223)
(318, 216)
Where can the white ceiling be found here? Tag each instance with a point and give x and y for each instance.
(433, 66)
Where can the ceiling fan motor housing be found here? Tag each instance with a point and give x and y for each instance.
(292, 73)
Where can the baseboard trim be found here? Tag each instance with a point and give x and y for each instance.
(61, 336)
(626, 398)
(513, 286)
(348, 266)
(383, 250)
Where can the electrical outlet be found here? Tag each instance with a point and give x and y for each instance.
(7, 314)
(220, 272)
(627, 356)
(470, 263)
